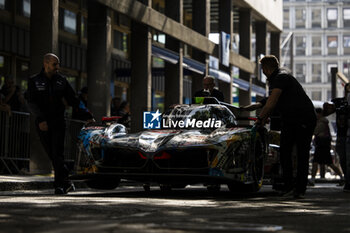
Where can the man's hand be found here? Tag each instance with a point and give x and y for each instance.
(43, 126)
(262, 121)
(328, 108)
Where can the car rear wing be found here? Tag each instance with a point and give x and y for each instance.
(110, 118)
(234, 109)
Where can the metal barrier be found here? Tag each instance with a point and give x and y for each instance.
(73, 128)
(14, 141)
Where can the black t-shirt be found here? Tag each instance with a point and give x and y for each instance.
(215, 93)
(342, 116)
(293, 104)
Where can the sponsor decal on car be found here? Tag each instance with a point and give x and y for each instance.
(153, 120)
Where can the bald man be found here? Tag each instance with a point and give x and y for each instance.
(209, 90)
(47, 92)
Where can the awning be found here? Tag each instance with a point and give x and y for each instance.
(244, 85)
(173, 57)
(225, 77)
(165, 54)
(259, 90)
(193, 65)
(241, 84)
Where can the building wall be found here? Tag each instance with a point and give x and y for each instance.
(264, 10)
(321, 41)
(72, 41)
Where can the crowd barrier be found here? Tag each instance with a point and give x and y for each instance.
(15, 141)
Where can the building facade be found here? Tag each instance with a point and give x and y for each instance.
(321, 40)
(151, 53)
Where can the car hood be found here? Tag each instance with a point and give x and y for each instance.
(154, 140)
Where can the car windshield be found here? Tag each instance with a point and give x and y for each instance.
(207, 116)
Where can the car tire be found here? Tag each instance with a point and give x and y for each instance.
(103, 183)
(258, 166)
(256, 171)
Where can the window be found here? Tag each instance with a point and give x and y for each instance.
(23, 7)
(329, 94)
(346, 17)
(316, 95)
(158, 5)
(332, 16)
(332, 44)
(159, 37)
(26, 8)
(316, 72)
(300, 42)
(5, 67)
(316, 18)
(286, 48)
(5, 5)
(300, 18)
(122, 20)
(120, 41)
(68, 21)
(22, 73)
(285, 18)
(286, 64)
(346, 69)
(316, 45)
(300, 71)
(2, 61)
(346, 44)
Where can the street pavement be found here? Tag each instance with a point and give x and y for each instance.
(32, 182)
(128, 209)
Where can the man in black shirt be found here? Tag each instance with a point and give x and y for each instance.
(47, 93)
(298, 120)
(209, 90)
(341, 106)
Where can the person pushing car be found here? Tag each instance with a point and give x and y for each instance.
(298, 120)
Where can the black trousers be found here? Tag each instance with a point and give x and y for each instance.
(53, 143)
(300, 136)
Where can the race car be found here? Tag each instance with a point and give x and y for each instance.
(182, 152)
